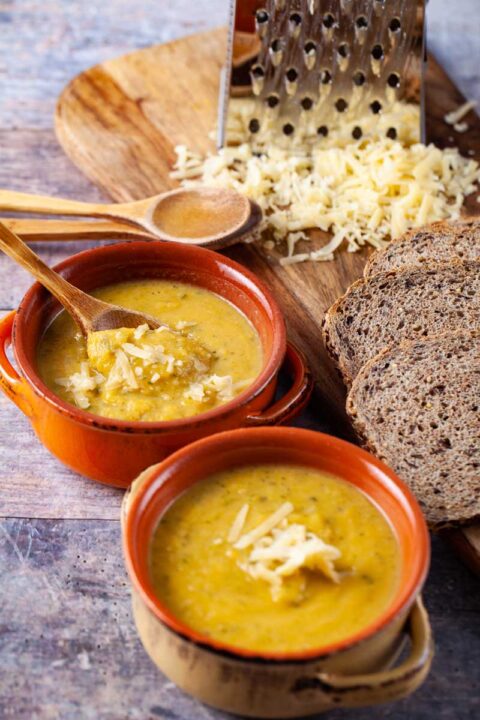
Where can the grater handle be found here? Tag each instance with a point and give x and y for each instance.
(225, 78)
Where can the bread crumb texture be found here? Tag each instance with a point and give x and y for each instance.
(395, 306)
(417, 406)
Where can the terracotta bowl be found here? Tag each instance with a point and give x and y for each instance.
(354, 672)
(115, 451)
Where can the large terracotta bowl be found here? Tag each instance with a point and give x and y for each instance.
(115, 451)
(354, 672)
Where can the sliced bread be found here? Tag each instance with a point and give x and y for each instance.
(439, 242)
(417, 406)
(401, 305)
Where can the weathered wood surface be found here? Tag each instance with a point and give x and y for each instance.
(54, 607)
(76, 654)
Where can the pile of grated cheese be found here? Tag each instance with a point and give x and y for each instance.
(362, 192)
(279, 550)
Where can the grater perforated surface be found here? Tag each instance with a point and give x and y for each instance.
(310, 65)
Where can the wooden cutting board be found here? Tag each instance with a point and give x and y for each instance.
(120, 121)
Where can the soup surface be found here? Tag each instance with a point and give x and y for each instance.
(325, 570)
(212, 355)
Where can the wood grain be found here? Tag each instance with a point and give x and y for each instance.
(34, 230)
(125, 98)
(120, 122)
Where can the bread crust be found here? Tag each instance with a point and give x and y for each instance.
(455, 230)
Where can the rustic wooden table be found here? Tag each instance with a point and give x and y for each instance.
(68, 647)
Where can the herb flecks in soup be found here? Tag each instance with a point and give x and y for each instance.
(325, 569)
(206, 353)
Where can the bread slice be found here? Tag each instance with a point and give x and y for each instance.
(401, 305)
(417, 407)
(439, 242)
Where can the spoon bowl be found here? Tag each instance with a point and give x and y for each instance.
(198, 215)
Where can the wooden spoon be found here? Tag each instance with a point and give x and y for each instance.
(198, 216)
(89, 313)
(35, 230)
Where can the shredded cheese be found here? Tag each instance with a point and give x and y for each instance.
(238, 524)
(279, 550)
(121, 374)
(81, 383)
(461, 127)
(184, 324)
(220, 385)
(454, 117)
(144, 361)
(195, 391)
(140, 331)
(364, 192)
(294, 548)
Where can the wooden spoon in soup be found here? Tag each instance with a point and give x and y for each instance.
(114, 333)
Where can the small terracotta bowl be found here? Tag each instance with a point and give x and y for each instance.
(115, 451)
(350, 673)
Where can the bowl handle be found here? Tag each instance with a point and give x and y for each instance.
(295, 399)
(10, 381)
(398, 682)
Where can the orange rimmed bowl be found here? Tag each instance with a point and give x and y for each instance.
(114, 451)
(354, 672)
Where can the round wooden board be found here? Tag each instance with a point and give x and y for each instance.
(120, 121)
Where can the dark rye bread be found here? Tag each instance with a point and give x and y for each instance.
(417, 407)
(439, 242)
(401, 305)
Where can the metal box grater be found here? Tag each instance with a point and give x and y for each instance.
(306, 67)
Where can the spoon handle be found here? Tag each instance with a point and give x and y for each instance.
(25, 202)
(35, 230)
(68, 295)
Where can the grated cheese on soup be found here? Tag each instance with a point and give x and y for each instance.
(81, 384)
(364, 192)
(140, 360)
(279, 550)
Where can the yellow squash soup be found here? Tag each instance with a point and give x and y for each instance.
(206, 355)
(274, 558)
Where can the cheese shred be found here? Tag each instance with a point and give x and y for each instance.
(238, 524)
(454, 117)
(264, 527)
